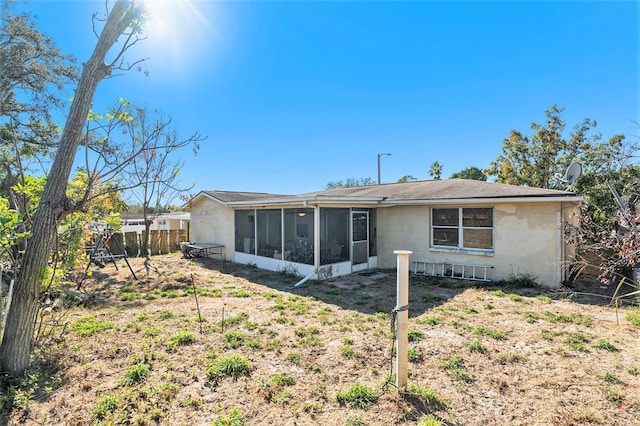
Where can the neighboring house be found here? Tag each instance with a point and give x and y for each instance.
(171, 221)
(494, 231)
(163, 222)
(132, 223)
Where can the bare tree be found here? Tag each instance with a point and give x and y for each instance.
(15, 350)
(154, 175)
(616, 253)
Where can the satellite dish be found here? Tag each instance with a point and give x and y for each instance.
(574, 171)
(570, 176)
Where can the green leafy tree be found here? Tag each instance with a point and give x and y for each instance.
(406, 178)
(34, 74)
(32, 78)
(34, 71)
(10, 234)
(104, 203)
(435, 171)
(538, 159)
(122, 22)
(594, 186)
(350, 182)
(535, 160)
(471, 173)
(136, 208)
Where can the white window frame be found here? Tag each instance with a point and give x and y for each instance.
(460, 248)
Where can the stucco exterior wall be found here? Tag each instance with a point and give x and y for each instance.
(527, 240)
(169, 224)
(211, 222)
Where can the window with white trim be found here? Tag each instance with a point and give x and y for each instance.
(462, 228)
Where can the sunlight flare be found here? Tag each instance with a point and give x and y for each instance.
(175, 30)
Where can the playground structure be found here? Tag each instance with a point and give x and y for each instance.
(100, 253)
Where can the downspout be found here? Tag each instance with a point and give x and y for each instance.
(302, 281)
(559, 249)
(316, 238)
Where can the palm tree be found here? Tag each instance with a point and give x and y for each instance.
(436, 170)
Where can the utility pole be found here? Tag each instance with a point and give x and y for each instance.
(380, 155)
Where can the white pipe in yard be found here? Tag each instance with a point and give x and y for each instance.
(302, 281)
(402, 317)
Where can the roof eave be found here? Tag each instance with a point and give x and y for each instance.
(312, 200)
(200, 195)
(579, 200)
(317, 200)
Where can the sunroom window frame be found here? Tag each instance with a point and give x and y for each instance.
(461, 228)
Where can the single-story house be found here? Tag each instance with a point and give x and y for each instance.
(162, 222)
(171, 221)
(454, 227)
(132, 222)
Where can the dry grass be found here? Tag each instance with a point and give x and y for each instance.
(263, 354)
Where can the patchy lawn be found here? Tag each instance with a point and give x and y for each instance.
(253, 351)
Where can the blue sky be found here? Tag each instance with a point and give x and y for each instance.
(294, 94)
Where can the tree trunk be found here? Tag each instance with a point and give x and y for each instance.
(147, 244)
(15, 349)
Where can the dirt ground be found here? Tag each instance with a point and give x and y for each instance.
(479, 354)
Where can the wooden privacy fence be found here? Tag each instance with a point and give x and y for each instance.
(160, 242)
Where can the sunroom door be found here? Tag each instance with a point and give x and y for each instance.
(359, 240)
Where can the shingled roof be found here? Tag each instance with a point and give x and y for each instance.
(441, 190)
(420, 192)
(231, 196)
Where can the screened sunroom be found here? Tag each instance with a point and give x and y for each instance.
(306, 239)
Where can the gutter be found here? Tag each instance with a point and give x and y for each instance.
(201, 194)
(494, 200)
(316, 200)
